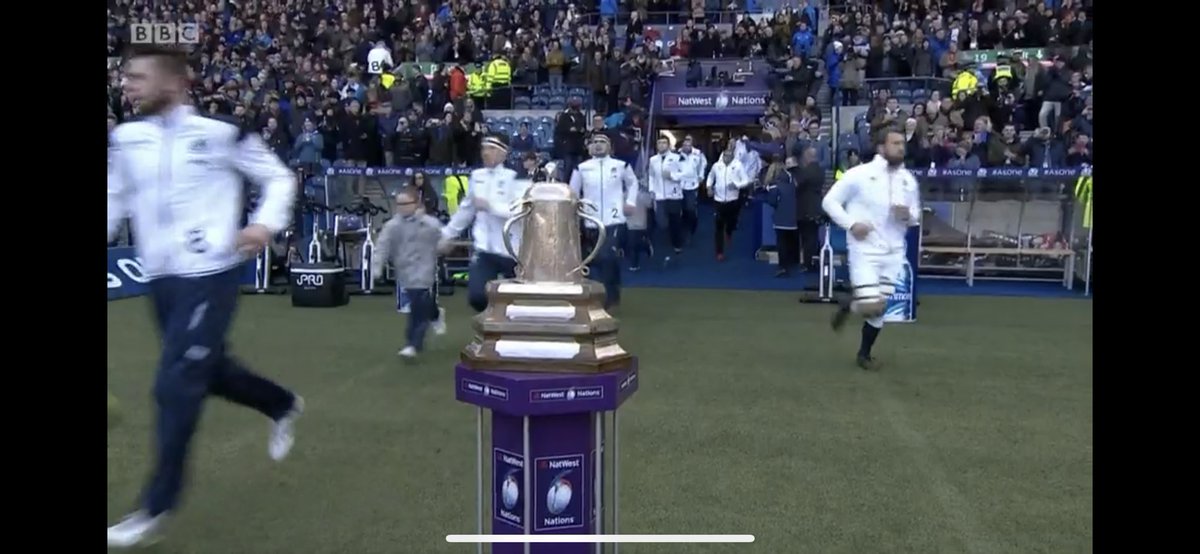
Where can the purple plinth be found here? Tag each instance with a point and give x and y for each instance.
(562, 410)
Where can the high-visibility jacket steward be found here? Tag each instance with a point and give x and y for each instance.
(1083, 195)
(499, 73)
(965, 82)
(477, 85)
(454, 190)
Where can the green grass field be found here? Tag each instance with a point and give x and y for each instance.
(751, 418)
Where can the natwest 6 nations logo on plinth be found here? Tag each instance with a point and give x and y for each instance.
(509, 478)
(720, 100)
(562, 480)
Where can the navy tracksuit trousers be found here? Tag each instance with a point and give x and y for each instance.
(193, 315)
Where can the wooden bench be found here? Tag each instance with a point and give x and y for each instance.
(971, 252)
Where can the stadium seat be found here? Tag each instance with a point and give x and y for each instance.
(903, 95)
(577, 91)
(547, 121)
(541, 103)
(522, 103)
(557, 102)
(508, 120)
(542, 90)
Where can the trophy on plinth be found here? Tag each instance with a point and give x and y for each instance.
(545, 361)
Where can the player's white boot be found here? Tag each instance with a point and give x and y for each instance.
(283, 431)
(137, 529)
(439, 324)
(408, 352)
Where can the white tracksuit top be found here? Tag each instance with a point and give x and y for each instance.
(500, 187)
(608, 183)
(666, 188)
(865, 194)
(693, 165)
(179, 176)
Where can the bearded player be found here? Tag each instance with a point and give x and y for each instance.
(875, 202)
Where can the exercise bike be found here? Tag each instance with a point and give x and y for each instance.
(828, 280)
(348, 228)
(316, 242)
(265, 258)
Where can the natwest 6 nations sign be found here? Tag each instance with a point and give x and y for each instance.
(743, 101)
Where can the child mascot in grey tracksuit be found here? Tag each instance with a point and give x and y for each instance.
(410, 241)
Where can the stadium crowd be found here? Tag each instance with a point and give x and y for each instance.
(955, 111)
(305, 73)
(301, 72)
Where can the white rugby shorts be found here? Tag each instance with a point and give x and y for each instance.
(874, 276)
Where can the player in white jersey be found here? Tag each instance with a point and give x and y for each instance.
(178, 175)
(665, 176)
(485, 208)
(611, 185)
(875, 202)
(694, 166)
(379, 59)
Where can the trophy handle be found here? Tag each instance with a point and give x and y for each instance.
(600, 236)
(524, 205)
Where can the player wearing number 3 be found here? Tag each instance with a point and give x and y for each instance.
(875, 202)
(611, 185)
(665, 176)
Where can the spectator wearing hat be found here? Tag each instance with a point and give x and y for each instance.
(441, 139)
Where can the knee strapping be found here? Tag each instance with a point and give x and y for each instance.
(868, 307)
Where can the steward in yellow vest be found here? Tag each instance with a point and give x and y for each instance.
(498, 72)
(966, 81)
(454, 190)
(1083, 195)
(477, 85)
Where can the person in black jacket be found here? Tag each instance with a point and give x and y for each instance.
(352, 135)
(409, 147)
(1054, 86)
(810, 182)
(781, 195)
(569, 132)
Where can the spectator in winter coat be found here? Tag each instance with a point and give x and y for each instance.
(277, 138)
(802, 41)
(964, 158)
(522, 141)
(308, 148)
(1043, 150)
(781, 195)
(1055, 88)
(1080, 152)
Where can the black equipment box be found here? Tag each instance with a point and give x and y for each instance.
(319, 285)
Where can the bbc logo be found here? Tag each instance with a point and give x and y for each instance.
(164, 33)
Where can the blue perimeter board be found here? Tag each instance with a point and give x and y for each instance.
(536, 394)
